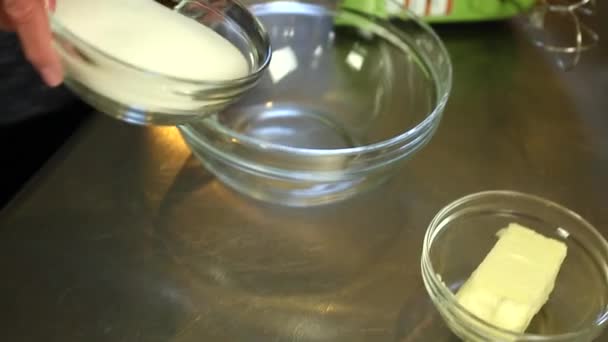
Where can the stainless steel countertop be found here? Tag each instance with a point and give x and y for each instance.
(124, 237)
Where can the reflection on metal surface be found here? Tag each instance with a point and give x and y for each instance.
(169, 136)
(268, 249)
(295, 274)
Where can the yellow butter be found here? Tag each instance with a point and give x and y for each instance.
(515, 279)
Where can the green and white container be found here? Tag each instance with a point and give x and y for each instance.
(445, 10)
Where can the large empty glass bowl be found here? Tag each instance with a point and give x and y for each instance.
(114, 85)
(347, 96)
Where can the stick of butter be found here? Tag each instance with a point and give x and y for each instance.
(515, 279)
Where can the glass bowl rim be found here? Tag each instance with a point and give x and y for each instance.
(419, 129)
(58, 28)
(447, 295)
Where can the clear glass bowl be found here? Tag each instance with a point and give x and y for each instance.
(346, 98)
(141, 96)
(462, 234)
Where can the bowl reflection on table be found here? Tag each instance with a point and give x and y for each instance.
(346, 98)
(261, 249)
(276, 271)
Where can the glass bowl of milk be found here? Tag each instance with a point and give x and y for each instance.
(507, 266)
(147, 63)
(348, 97)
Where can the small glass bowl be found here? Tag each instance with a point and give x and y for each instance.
(461, 235)
(347, 97)
(110, 85)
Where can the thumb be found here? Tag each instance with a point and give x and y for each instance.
(30, 21)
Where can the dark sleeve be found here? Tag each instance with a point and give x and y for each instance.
(35, 120)
(22, 93)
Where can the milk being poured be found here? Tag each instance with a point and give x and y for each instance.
(147, 35)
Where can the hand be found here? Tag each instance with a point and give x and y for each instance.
(28, 18)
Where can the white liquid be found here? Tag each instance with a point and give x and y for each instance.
(149, 36)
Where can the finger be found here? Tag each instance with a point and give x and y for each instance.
(51, 4)
(30, 20)
(5, 22)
